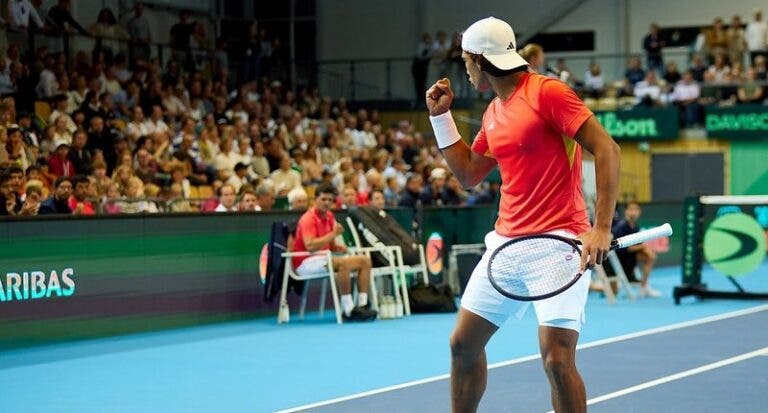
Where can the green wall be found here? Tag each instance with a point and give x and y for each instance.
(749, 167)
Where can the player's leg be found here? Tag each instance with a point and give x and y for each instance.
(560, 320)
(558, 353)
(468, 363)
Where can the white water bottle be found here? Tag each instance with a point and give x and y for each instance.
(398, 308)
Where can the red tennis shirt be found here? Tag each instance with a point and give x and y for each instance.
(531, 137)
(315, 224)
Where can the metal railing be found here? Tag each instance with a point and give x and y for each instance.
(392, 79)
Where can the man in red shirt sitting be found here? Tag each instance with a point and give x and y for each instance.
(79, 204)
(317, 230)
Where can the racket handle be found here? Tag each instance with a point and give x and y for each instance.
(643, 236)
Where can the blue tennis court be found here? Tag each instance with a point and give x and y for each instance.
(646, 355)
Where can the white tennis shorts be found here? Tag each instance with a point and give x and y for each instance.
(565, 310)
(314, 264)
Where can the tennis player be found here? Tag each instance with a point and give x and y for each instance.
(533, 130)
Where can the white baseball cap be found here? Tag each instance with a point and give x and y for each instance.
(495, 40)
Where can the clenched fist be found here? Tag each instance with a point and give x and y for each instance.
(439, 97)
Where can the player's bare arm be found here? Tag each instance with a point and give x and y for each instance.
(469, 167)
(315, 243)
(593, 137)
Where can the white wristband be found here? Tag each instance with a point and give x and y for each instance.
(445, 130)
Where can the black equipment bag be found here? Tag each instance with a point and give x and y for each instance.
(278, 240)
(377, 228)
(432, 298)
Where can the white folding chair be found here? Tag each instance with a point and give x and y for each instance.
(392, 269)
(619, 277)
(328, 276)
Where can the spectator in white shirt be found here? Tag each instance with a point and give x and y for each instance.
(155, 123)
(7, 85)
(227, 199)
(756, 35)
(285, 178)
(240, 177)
(19, 13)
(137, 128)
(686, 96)
(593, 81)
(719, 71)
(648, 91)
(226, 158)
(48, 85)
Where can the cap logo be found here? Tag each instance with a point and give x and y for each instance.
(511, 46)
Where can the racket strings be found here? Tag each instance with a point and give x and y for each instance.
(535, 267)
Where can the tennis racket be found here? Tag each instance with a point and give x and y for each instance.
(536, 267)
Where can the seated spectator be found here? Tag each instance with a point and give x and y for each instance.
(686, 96)
(145, 166)
(240, 177)
(750, 91)
(534, 55)
(638, 254)
(594, 85)
(285, 178)
(227, 199)
(410, 196)
(298, 200)
(61, 133)
(8, 200)
(317, 230)
(634, 72)
(78, 203)
(377, 199)
(111, 203)
(18, 153)
(259, 162)
(698, 68)
(79, 155)
(718, 71)
(61, 109)
(59, 163)
(432, 194)
(348, 198)
(648, 92)
(248, 201)
(58, 203)
(177, 202)
(671, 74)
(453, 194)
(265, 196)
(32, 198)
(761, 69)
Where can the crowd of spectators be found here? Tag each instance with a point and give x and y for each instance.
(727, 66)
(115, 131)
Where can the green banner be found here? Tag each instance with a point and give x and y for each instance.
(65, 278)
(641, 123)
(737, 122)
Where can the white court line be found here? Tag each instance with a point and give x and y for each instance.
(596, 343)
(677, 376)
